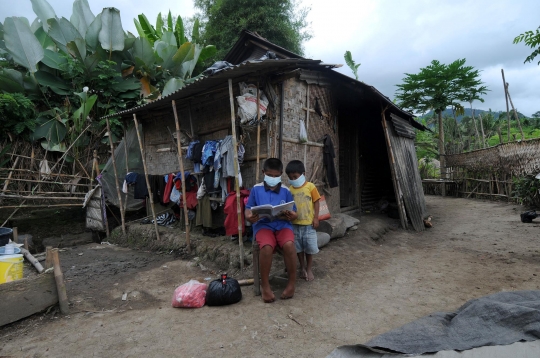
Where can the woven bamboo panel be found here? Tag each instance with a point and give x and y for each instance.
(517, 158)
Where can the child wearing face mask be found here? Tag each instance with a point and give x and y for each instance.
(306, 197)
(270, 234)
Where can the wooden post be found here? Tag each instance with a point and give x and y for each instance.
(190, 122)
(236, 176)
(397, 188)
(482, 129)
(515, 112)
(32, 260)
(127, 168)
(13, 213)
(256, 278)
(258, 168)
(96, 163)
(506, 98)
(118, 192)
(10, 174)
(150, 196)
(60, 284)
(307, 125)
(48, 257)
(181, 163)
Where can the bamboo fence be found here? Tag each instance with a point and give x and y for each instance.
(489, 173)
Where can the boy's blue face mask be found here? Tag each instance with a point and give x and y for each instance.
(272, 181)
(298, 182)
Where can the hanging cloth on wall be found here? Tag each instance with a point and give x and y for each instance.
(328, 161)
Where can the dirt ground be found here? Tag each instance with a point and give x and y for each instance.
(373, 280)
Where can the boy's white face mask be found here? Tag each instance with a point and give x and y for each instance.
(272, 181)
(298, 182)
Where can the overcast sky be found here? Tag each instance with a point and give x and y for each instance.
(391, 37)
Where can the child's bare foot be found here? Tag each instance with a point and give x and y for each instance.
(310, 276)
(288, 292)
(303, 273)
(268, 295)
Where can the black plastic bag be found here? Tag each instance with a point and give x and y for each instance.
(223, 291)
(528, 216)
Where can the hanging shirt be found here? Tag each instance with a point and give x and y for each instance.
(262, 194)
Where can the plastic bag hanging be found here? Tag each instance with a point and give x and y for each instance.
(303, 132)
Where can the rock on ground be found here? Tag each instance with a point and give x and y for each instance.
(348, 220)
(322, 239)
(335, 227)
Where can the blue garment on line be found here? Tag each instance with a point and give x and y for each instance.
(189, 154)
(208, 153)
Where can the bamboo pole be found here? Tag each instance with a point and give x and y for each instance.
(48, 257)
(190, 122)
(36, 197)
(28, 171)
(236, 171)
(118, 192)
(506, 98)
(32, 260)
(307, 125)
(258, 167)
(44, 182)
(515, 112)
(10, 174)
(13, 213)
(150, 196)
(38, 206)
(183, 176)
(127, 169)
(60, 284)
(482, 129)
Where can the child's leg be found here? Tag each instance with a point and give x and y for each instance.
(265, 264)
(266, 240)
(289, 252)
(310, 249)
(309, 272)
(303, 273)
(285, 239)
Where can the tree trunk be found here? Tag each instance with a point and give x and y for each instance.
(515, 113)
(442, 157)
(474, 121)
(507, 109)
(482, 129)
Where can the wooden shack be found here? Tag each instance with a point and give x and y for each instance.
(373, 139)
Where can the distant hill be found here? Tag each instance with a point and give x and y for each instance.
(448, 112)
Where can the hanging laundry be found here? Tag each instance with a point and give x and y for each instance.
(208, 151)
(230, 209)
(328, 161)
(189, 154)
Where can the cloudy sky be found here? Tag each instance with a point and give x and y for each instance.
(391, 37)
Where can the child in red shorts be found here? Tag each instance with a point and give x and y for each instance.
(270, 234)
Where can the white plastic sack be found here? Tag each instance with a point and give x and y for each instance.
(303, 132)
(175, 195)
(247, 103)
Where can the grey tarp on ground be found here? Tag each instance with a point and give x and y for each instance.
(499, 319)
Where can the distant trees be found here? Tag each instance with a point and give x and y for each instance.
(437, 87)
(282, 22)
(531, 39)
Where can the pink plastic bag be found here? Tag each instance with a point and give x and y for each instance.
(191, 294)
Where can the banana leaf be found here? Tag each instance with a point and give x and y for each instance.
(92, 33)
(159, 26)
(172, 86)
(111, 35)
(179, 31)
(11, 81)
(142, 49)
(148, 29)
(82, 16)
(57, 85)
(62, 32)
(51, 129)
(44, 11)
(21, 43)
(53, 59)
(44, 39)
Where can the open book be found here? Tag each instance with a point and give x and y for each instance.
(271, 212)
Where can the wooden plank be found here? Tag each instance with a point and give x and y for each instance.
(26, 297)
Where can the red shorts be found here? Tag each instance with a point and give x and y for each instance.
(272, 238)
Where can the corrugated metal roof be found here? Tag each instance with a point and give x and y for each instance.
(207, 83)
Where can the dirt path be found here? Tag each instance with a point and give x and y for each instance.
(363, 287)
